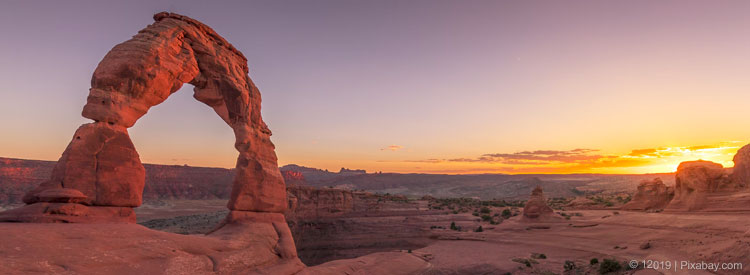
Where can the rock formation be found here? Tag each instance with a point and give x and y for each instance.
(694, 181)
(99, 177)
(651, 195)
(293, 177)
(101, 161)
(317, 203)
(536, 207)
(741, 171)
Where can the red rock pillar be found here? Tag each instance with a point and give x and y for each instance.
(98, 178)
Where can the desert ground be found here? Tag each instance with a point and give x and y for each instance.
(506, 247)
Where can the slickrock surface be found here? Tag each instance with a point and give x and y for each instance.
(651, 195)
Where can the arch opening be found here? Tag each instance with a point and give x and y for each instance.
(101, 167)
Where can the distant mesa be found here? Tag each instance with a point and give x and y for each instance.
(345, 171)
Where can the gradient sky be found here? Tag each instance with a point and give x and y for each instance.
(412, 86)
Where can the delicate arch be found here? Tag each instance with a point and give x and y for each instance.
(101, 161)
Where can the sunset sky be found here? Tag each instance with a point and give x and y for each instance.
(412, 86)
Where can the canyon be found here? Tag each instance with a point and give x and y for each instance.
(98, 209)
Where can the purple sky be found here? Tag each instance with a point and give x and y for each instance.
(344, 80)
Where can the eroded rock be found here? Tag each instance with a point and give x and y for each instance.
(651, 195)
(694, 181)
(536, 207)
(741, 171)
(101, 161)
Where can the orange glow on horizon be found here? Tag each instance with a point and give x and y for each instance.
(584, 161)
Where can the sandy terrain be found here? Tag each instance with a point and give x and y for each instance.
(611, 234)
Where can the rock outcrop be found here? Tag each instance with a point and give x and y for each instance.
(101, 161)
(651, 195)
(99, 177)
(315, 203)
(293, 178)
(741, 171)
(694, 181)
(536, 207)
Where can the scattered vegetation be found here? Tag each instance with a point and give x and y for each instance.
(594, 261)
(525, 261)
(538, 256)
(479, 229)
(609, 265)
(569, 265)
(506, 213)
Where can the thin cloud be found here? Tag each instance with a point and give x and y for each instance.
(392, 148)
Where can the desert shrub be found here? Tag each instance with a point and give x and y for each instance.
(455, 211)
(538, 256)
(486, 218)
(524, 261)
(409, 251)
(506, 213)
(475, 214)
(479, 229)
(569, 265)
(594, 261)
(453, 226)
(609, 265)
(485, 210)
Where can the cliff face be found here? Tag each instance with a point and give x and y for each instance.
(184, 182)
(18, 176)
(329, 224)
(314, 203)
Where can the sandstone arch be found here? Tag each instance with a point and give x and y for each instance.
(100, 167)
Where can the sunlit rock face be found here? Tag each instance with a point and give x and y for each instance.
(651, 195)
(741, 172)
(101, 161)
(694, 181)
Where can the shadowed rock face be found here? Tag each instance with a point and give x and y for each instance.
(741, 172)
(651, 195)
(536, 207)
(101, 161)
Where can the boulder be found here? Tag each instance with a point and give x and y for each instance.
(694, 181)
(651, 195)
(536, 207)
